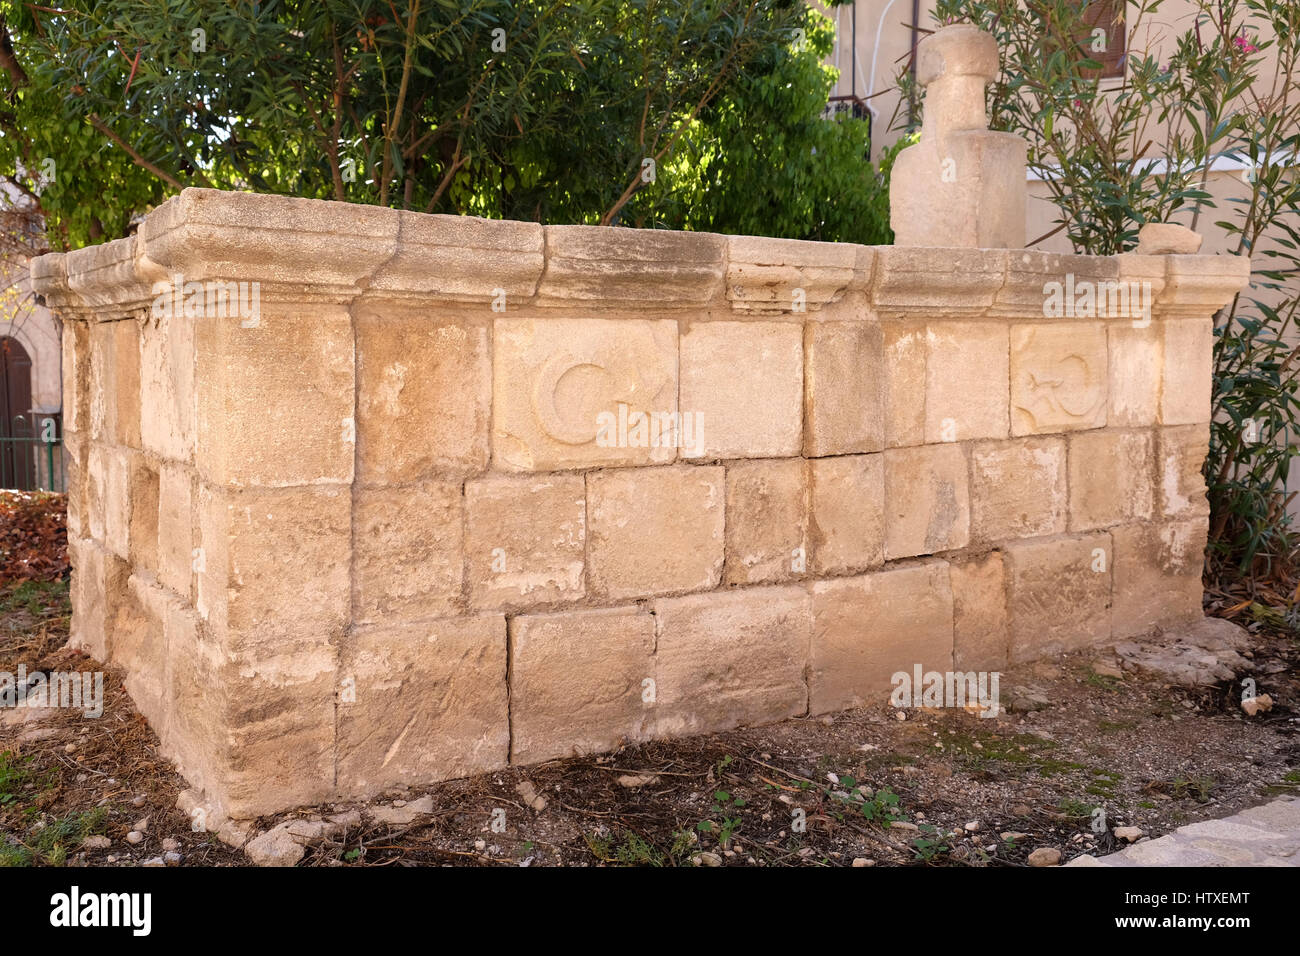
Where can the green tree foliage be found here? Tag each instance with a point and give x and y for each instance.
(1116, 155)
(676, 113)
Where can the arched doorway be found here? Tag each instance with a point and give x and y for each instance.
(17, 462)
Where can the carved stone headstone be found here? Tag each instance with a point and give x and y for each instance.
(961, 185)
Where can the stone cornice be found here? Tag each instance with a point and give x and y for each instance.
(304, 250)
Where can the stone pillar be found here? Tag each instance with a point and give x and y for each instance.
(961, 185)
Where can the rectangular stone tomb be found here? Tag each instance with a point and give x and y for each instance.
(362, 498)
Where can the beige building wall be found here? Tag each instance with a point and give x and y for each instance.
(869, 70)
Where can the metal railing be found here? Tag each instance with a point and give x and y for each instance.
(31, 453)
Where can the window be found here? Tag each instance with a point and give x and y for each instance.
(1104, 37)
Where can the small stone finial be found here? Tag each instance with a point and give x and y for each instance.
(1167, 239)
(961, 185)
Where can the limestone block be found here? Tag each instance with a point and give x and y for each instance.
(1059, 594)
(731, 658)
(111, 496)
(77, 359)
(967, 191)
(1198, 286)
(424, 396)
(407, 552)
(981, 628)
(1135, 368)
(176, 529)
(1181, 452)
(98, 590)
(462, 258)
(580, 682)
(1111, 478)
(1158, 571)
(918, 282)
(1166, 238)
(600, 263)
(743, 381)
(430, 703)
(766, 521)
(167, 368)
(75, 455)
(526, 539)
(844, 388)
(655, 530)
(866, 629)
(578, 393)
(274, 565)
(1058, 377)
(140, 648)
(275, 399)
(1018, 488)
(763, 274)
(1188, 371)
(847, 521)
(275, 727)
(1060, 286)
(98, 462)
(143, 525)
(115, 383)
(906, 347)
(927, 501)
(966, 389)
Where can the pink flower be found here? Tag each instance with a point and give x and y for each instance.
(1244, 45)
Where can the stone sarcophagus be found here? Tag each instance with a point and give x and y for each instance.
(364, 498)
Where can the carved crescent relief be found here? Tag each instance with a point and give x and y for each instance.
(584, 385)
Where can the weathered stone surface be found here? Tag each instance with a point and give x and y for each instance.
(99, 586)
(76, 376)
(655, 530)
(906, 348)
(847, 521)
(1181, 453)
(866, 629)
(927, 503)
(1135, 369)
(274, 563)
(1018, 488)
(143, 527)
(424, 396)
(729, 659)
(167, 368)
(115, 383)
(407, 552)
(431, 703)
(1111, 478)
(1167, 238)
(252, 724)
(743, 381)
(1202, 652)
(526, 539)
(110, 477)
(557, 381)
(966, 391)
(176, 527)
(767, 520)
(604, 264)
(763, 274)
(1059, 377)
(271, 411)
(140, 648)
(1188, 372)
(981, 629)
(1157, 575)
(579, 682)
(844, 388)
(1058, 594)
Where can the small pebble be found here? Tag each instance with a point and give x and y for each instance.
(135, 836)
